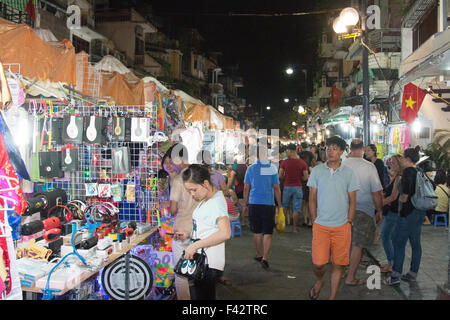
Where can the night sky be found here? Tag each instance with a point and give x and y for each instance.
(263, 47)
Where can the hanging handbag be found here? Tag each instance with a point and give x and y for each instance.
(195, 269)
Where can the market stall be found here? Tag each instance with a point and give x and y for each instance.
(89, 152)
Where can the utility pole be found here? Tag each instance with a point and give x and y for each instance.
(365, 67)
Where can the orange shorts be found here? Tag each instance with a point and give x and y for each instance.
(334, 239)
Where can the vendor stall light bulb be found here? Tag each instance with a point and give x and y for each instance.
(22, 136)
(416, 126)
(327, 132)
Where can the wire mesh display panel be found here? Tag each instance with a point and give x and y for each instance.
(102, 165)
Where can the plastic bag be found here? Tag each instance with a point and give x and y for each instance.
(280, 221)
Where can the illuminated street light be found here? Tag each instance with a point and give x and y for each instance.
(301, 109)
(289, 71)
(286, 100)
(349, 16)
(294, 123)
(268, 107)
(339, 26)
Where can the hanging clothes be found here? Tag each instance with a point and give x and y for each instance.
(405, 137)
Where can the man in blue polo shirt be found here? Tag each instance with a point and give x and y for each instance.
(332, 203)
(261, 183)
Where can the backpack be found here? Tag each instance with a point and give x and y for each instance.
(425, 198)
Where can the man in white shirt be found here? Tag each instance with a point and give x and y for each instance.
(368, 199)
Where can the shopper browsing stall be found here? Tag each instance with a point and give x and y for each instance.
(211, 228)
(182, 206)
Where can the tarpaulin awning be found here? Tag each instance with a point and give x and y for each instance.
(198, 113)
(116, 86)
(38, 59)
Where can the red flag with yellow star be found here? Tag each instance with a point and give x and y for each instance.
(411, 102)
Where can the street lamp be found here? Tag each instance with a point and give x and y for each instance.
(286, 100)
(289, 71)
(301, 109)
(268, 107)
(348, 18)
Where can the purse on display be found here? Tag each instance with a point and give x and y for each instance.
(121, 162)
(69, 159)
(73, 130)
(195, 269)
(50, 164)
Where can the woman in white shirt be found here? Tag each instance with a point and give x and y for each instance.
(211, 226)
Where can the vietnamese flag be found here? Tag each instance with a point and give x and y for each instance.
(31, 10)
(411, 102)
(335, 96)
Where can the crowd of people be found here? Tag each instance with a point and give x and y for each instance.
(345, 193)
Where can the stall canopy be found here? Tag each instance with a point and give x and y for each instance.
(198, 113)
(122, 91)
(39, 60)
(109, 78)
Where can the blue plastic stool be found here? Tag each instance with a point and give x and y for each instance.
(234, 224)
(440, 223)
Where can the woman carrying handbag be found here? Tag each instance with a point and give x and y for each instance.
(211, 228)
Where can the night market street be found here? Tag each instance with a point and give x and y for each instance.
(290, 275)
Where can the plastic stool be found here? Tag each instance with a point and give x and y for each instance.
(440, 223)
(234, 224)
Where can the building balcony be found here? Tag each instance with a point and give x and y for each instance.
(216, 88)
(385, 60)
(385, 40)
(432, 58)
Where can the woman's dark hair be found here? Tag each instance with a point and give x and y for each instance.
(197, 173)
(412, 154)
(373, 147)
(337, 141)
(162, 174)
(440, 178)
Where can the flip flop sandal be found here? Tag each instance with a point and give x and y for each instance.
(358, 282)
(310, 296)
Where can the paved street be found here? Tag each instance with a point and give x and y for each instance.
(290, 275)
